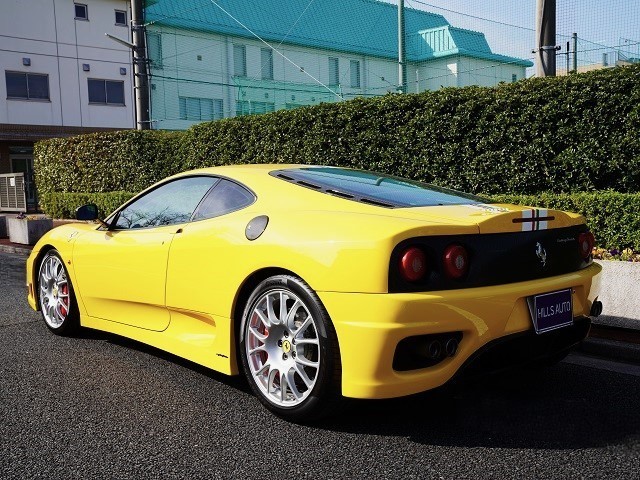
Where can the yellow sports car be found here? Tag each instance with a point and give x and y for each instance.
(320, 282)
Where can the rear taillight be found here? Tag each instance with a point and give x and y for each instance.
(413, 264)
(586, 241)
(455, 261)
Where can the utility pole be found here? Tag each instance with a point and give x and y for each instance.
(546, 39)
(402, 56)
(140, 78)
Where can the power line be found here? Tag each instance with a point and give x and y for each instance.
(274, 49)
(473, 16)
(290, 29)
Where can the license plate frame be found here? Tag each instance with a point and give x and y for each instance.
(552, 310)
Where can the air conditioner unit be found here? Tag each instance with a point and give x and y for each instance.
(13, 197)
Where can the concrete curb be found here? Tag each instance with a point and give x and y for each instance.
(611, 349)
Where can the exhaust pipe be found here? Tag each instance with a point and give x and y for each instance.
(451, 347)
(596, 308)
(434, 349)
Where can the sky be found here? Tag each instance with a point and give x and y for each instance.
(509, 25)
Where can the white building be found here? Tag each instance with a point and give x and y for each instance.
(61, 75)
(212, 60)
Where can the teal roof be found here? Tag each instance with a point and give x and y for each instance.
(447, 40)
(366, 27)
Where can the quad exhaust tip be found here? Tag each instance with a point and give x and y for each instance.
(437, 349)
(422, 351)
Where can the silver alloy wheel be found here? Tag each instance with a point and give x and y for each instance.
(282, 347)
(55, 300)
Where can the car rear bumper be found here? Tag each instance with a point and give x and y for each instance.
(370, 327)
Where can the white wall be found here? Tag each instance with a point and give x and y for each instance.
(438, 73)
(473, 71)
(58, 45)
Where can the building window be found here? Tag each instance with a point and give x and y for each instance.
(121, 18)
(200, 108)
(244, 107)
(355, 73)
(239, 61)
(106, 92)
(82, 13)
(334, 71)
(154, 49)
(514, 77)
(266, 55)
(27, 86)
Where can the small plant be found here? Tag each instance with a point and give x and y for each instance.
(626, 255)
(23, 216)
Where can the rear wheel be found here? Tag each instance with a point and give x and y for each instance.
(289, 350)
(56, 297)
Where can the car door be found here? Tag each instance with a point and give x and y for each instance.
(121, 271)
(199, 278)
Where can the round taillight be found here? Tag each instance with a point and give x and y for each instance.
(586, 241)
(456, 261)
(413, 264)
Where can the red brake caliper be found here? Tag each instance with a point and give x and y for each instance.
(64, 289)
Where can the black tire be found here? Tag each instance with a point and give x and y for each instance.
(305, 338)
(55, 295)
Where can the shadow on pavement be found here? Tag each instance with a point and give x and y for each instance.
(550, 409)
(563, 407)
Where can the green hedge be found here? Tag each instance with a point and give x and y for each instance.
(63, 205)
(614, 218)
(128, 160)
(564, 134)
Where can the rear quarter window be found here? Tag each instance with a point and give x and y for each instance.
(225, 197)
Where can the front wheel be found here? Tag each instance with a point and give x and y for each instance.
(289, 350)
(56, 296)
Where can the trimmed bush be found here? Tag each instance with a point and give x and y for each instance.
(614, 218)
(574, 133)
(128, 160)
(64, 205)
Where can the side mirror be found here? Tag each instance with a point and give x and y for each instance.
(87, 212)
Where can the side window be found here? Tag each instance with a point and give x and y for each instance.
(121, 18)
(225, 197)
(154, 49)
(239, 60)
(169, 204)
(355, 73)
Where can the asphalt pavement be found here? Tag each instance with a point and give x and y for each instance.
(97, 406)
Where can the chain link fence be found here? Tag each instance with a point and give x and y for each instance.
(213, 59)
